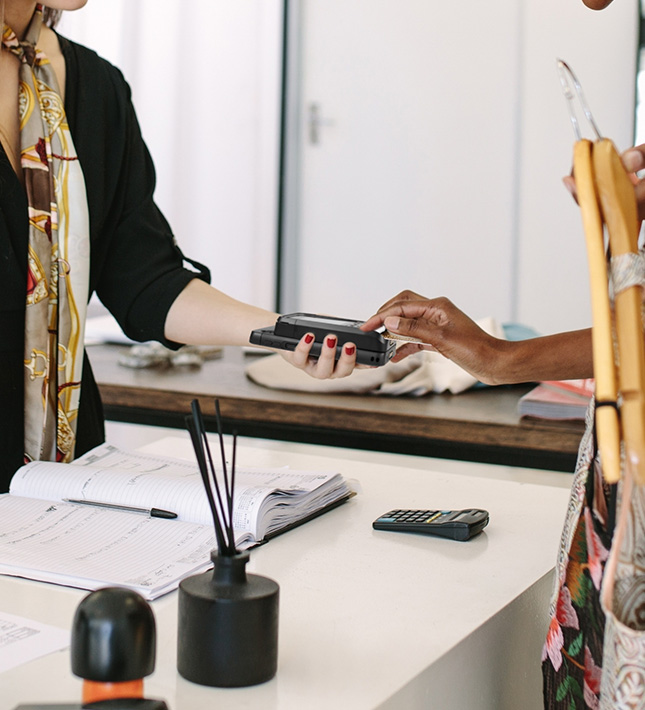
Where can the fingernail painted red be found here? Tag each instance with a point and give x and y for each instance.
(350, 349)
(331, 342)
(309, 338)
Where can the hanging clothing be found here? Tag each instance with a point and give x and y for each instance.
(573, 653)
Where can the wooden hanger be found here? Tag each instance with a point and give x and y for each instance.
(607, 200)
(607, 420)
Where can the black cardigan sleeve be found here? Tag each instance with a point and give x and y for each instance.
(137, 269)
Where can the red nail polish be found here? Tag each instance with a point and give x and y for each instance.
(309, 338)
(331, 342)
(350, 349)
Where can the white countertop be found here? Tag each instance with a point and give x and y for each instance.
(367, 619)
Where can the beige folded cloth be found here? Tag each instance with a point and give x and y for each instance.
(416, 375)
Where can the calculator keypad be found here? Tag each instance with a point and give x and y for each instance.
(413, 516)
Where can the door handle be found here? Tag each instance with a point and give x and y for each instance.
(315, 122)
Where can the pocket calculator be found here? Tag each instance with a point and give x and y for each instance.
(453, 524)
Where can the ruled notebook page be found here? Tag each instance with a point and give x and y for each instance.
(85, 547)
(108, 475)
(46, 538)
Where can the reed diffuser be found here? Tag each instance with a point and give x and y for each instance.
(227, 633)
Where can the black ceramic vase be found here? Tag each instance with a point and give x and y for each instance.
(227, 634)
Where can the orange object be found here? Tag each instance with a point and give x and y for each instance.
(94, 691)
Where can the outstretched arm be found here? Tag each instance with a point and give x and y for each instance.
(441, 326)
(202, 315)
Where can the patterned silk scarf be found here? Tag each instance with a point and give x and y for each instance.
(58, 255)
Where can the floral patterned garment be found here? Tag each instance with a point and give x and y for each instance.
(572, 655)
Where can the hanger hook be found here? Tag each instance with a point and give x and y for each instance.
(572, 90)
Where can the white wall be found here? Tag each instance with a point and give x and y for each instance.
(205, 76)
(553, 287)
(497, 231)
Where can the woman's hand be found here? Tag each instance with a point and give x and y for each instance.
(202, 315)
(633, 161)
(441, 326)
(325, 367)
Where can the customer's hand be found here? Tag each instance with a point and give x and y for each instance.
(440, 326)
(634, 161)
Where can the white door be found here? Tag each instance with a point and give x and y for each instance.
(408, 177)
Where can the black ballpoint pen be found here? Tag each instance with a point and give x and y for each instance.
(151, 512)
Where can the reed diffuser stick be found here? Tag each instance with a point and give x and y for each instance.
(221, 509)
